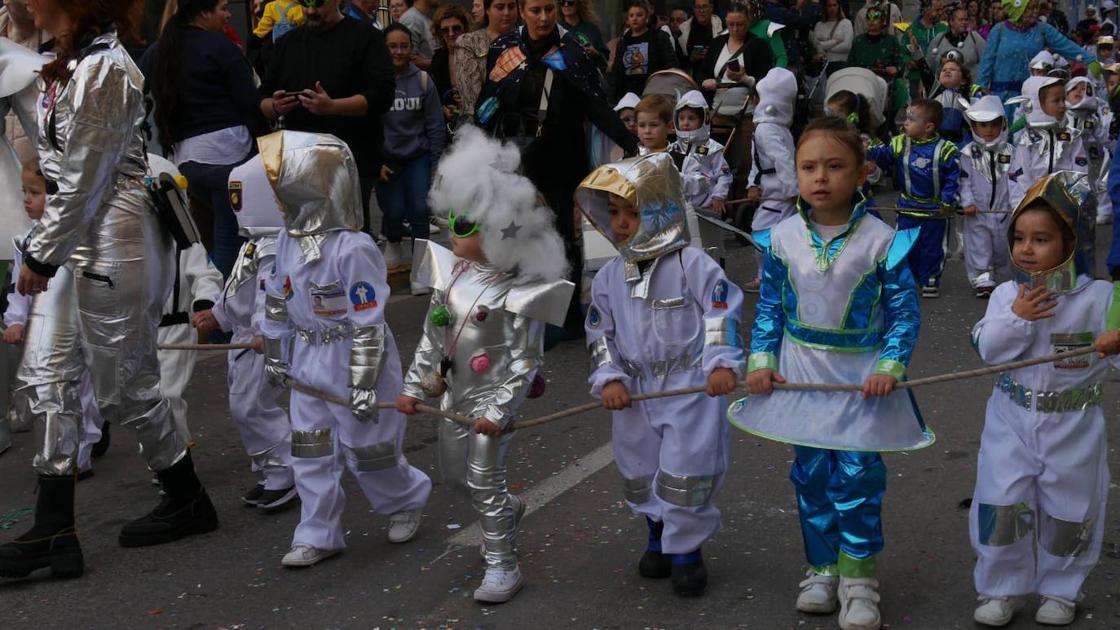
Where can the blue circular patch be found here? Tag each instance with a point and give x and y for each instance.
(594, 318)
(363, 296)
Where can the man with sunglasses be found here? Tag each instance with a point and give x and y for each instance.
(333, 75)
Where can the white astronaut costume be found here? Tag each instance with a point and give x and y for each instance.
(482, 346)
(1044, 146)
(196, 287)
(265, 430)
(663, 316)
(324, 326)
(772, 168)
(1038, 514)
(984, 167)
(705, 175)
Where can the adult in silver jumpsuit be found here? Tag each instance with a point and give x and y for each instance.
(100, 219)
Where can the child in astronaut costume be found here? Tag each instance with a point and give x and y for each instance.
(838, 305)
(985, 162)
(482, 347)
(196, 287)
(772, 181)
(264, 427)
(1088, 116)
(705, 175)
(663, 316)
(324, 326)
(1045, 145)
(1038, 514)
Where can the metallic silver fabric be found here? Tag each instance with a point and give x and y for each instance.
(326, 336)
(685, 491)
(721, 331)
(310, 444)
(248, 262)
(637, 490)
(268, 458)
(375, 457)
(1073, 196)
(653, 185)
(1064, 538)
(1078, 399)
(664, 367)
(1001, 525)
(275, 366)
(275, 308)
(600, 353)
(315, 180)
(366, 355)
(101, 219)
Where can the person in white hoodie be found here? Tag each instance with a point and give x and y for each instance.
(985, 162)
(772, 182)
(197, 285)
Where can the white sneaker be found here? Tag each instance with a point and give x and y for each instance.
(1055, 611)
(859, 604)
(394, 255)
(994, 611)
(306, 555)
(433, 226)
(818, 593)
(499, 585)
(404, 525)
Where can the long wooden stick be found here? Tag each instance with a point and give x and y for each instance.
(206, 347)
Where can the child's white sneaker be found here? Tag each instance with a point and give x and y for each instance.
(394, 255)
(306, 555)
(404, 525)
(499, 585)
(995, 611)
(1055, 611)
(818, 593)
(859, 603)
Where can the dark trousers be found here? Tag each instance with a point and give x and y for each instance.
(210, 183)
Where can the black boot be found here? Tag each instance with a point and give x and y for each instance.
(99, 449)
(52, 541)
(654, 564)
(184, 511)
(690, 578)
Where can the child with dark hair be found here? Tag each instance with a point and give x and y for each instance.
(926, 171)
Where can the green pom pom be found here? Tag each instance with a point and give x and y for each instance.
(440, 316)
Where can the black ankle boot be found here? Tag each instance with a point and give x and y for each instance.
(690, 578)
(184, 511)
(654, 564)
(98, 451)
(52, 541)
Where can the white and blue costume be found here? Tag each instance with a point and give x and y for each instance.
(836, 310)
(663, 316)
(984, 168)
(1038, 513)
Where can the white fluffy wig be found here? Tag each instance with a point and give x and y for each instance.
(477, 178)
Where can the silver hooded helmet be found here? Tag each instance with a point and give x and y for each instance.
(987, 109)
(693, 99)
(1072, 199)
(653, 185)
(315, 180)
(477, 180)
(253, 202)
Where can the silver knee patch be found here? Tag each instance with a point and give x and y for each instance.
(375, 456)
(309, 444)
(1064, 538)
(1001, 525)
(636, 490)
(267, 458)
(685, 491)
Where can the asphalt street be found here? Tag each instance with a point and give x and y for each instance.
(579, 544)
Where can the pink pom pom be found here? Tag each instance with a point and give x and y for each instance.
(480, 364)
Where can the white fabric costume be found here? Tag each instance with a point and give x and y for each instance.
(705, 175)
(1038, 513)
(1087, 118)
(327, 298)
(663, 316)
(1044, 146)
(983, 183)
(265, 430)
(772, 168)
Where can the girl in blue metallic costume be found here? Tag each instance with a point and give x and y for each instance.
(838, 304)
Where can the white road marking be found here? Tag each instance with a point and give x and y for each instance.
(544, 492)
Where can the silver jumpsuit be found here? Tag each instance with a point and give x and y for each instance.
(99, 219)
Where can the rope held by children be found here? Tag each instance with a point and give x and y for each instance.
(824, 387)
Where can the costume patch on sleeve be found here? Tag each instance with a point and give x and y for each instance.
(328, 300)
(1080, 160)
(235, 196)
(594, 317)
(1004, 158)
(362, 296)
(719, 295)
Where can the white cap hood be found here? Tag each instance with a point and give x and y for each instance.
(777, 92)
(1032, 106)
(693, 99)
(628, 101)
(987, 109)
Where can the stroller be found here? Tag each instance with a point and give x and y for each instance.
(865, 83)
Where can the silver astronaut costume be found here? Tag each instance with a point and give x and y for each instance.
(265, 430)
(99, 218)
(1037, 520)
(324, 326)
(1084, 119)
(983, 183)
(484, 332)
(663, 316)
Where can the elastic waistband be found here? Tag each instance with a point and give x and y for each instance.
(1078, 399)
(325, 336)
